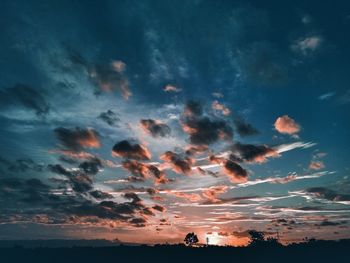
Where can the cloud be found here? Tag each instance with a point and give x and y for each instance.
(172, 88)
(78, 138)
(26, 96)
(326, 96)
(196, 149)
(243, 128)
(285, 124)
(92, 166)
(110, 78)
(100, 195)
(181, 165)
(109, 117)
(212, 193)
(291, 146)
(307, 45)
(80, 181)
(316, 165)
(251, 153)
(21, 165)
(193, 108)
(128, 150)
(328, 194)
(155, 128)
(159, 208)
(189, 197)
(235, 172)
(134, 197)
(107, 77)
(143, 171)
(220, 107)
(202, 129)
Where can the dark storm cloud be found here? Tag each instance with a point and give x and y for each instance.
(25, 96)
(328, 194)
(202, 129)
(251, 153)
(181, 165)
(129, 150)
(155, 128)
(110, 117)
(77, 138)
(243, 128)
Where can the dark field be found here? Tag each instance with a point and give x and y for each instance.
(316, 251)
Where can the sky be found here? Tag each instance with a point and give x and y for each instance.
(145, 120)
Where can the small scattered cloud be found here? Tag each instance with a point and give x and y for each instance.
(130, 150)
(172, 88)
(287, 125)
(155, 128)
(243, 128)
(221, 108)
(77, 138)
(202, 129)
(235, 172)
(181, 165)
(109, 117)
(251, 153)
(307, 45)
(326, 96)
(316, 165)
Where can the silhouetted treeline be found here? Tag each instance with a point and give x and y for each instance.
(310, 251)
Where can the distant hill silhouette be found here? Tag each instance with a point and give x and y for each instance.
(265, 251)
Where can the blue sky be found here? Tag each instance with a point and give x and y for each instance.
(259, 90)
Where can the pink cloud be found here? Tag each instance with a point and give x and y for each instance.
(316, 165)
(285, 124)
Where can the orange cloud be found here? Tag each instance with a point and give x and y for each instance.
(132, 151)
(235, 172)
(285, 124)
(214, 191)
(171, 88)
(180, 165)
(190, 197)
(316, 165)
(220, 107)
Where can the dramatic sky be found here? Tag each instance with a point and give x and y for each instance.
(145, 120)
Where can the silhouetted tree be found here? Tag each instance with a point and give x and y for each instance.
(256, 237)
(191, 238)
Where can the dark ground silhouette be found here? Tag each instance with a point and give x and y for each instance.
(311, 251)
